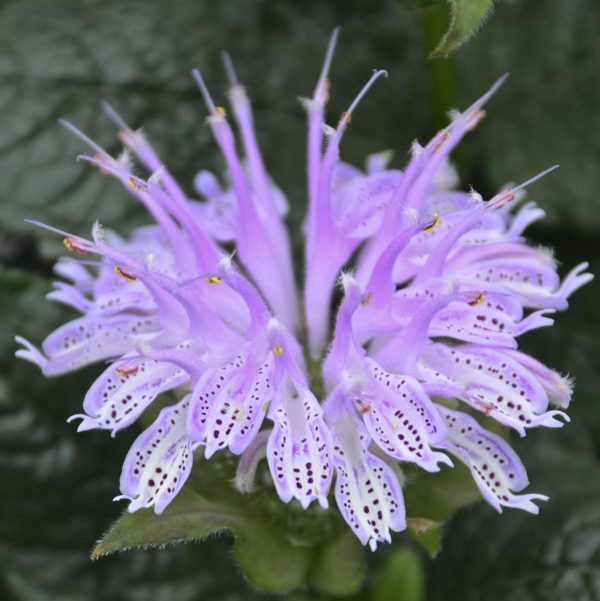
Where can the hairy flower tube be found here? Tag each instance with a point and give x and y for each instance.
(437, 285)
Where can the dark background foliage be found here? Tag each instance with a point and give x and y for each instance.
(57, 59)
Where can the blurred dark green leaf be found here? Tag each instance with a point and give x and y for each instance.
(466, 16)
(267, 558)
(546, 113)
(427, 533)
(400, 579)
(339, 568)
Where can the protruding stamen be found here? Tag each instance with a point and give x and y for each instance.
(125, 274)
(433, 224)
(205, 93)
(509, 194)
(321, 92)
(346, 116)
(481, 101)
(535, 178)
(85, 139)
(112, 114)
(229, 69)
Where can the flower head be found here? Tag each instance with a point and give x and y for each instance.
(424, 342)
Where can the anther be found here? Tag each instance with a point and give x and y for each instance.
(73, 246)
(444, 135)
(476, 300)
(278, 350)
(366, 299)
(433, 224)
(125, 274)
(125, 371)
(99, 159)
(213, 279)
(136, 184)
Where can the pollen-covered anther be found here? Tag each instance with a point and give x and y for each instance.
(366, 299)
(98, 159)
(502, 199)
(347, 117)
(73, 246)
(444, 135)
(221, 111)
(278, 350)
(125, 371)
(476, 299)
(474, 118)
(213, 279)
(129, 277)
(433, 224)
(136, 184)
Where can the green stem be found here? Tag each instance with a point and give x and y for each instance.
(444, 89)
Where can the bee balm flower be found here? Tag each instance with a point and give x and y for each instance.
(424, 344)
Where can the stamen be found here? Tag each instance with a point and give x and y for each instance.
(481, 101)
(136, 184)
(85, 139)
(444, 135)
(127, 370)
(229, 69)
(278, 350)
(476, 300)
(73, 246)
(112, 114)
(213, 279)
(535, 178)
(321, 92)
(366, 299)
(348, 114)
(509, 194)
(205, 93)
(99, 160)
(433, 224)
(125, 274)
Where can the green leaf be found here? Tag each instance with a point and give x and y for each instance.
(339, 567)
(400, 579)
(267, 558)
(190, 517)
(427, 533)
(466, 16)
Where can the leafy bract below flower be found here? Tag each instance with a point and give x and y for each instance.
(424, 343)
